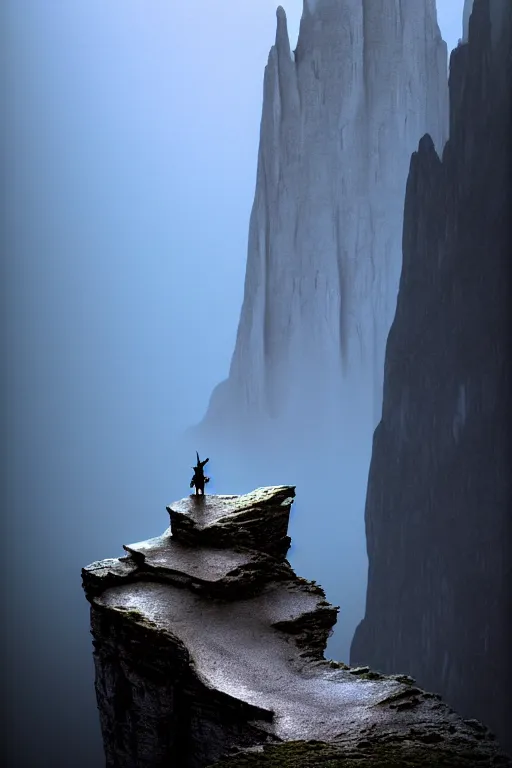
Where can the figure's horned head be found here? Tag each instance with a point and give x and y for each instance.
(200, 464)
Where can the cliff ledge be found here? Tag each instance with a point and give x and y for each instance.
(208, 646)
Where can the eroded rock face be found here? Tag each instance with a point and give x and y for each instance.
(438, 510)
(257, 520)
(411, 749)
(207, 644)
(341, 116)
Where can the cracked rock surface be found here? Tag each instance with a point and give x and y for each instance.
(207, 644)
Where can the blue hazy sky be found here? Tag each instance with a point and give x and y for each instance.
(129, 140)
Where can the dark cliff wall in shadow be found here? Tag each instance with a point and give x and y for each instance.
(438, 512)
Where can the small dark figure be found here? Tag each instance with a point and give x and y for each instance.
(199, 480)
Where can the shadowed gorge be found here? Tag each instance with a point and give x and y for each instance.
(438, 508)
(206, 643)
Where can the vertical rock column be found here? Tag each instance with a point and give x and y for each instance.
(438, 508)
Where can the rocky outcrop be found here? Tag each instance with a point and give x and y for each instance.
(207, 644)
(258, 521)
(438, 509)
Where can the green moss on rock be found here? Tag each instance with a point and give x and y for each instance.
(405, 753)
(290, 755)
(133, 614)
(337, 664)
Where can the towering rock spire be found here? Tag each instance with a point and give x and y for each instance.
(468, 7)
(339, 122)
(438, 508)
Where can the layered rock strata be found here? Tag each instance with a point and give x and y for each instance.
(206, 644)
(438, 509)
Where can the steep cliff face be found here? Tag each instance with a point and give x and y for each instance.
(438, 509)
(466, 13)
(341, 116)
(206, 643)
